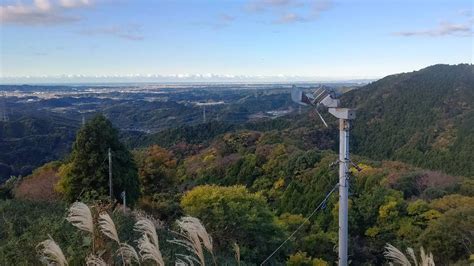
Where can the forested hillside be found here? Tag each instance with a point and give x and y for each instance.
(32, 140)
(424, 117)
(252, 184)
(249, 188)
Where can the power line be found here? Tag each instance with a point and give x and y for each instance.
(323, 202)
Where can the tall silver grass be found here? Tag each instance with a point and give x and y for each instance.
(51, 253)
(194, 236)
(128, 253)
(107, 227)
(79, 215)
(236, 248)
(93, 260)
(148, 244)
(398, 258)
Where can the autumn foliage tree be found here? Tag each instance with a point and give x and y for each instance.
(157, 173)
(156, 169)
(236, 216)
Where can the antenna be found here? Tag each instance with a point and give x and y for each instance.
(321, 117)
(327, 97)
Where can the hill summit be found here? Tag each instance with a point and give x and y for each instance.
(424, 117)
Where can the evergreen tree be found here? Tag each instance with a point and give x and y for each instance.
(86, 174)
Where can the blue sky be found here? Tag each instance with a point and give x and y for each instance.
(229, 39)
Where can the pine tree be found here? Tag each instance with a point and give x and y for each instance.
(86, 174)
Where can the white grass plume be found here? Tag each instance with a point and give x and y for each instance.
(80, 216)
(107, 227)
(426, 259)
(51, 253)
(236, 249)
(396, 256)
(411, 252)
(128, 253)
(194, 236)
(186, 261)
(148, 244)
(180, 262)
(149, 251)
(93, 260)
(196, 225)
(146, 227)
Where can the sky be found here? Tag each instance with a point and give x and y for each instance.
(229, 40)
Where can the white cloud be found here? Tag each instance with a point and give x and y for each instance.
(443, 29)
(291, 11)
(74, 3)
(262, 5)
(43, 5)
(40, 12)
(290, 18)
(321, 6)
(130, 32)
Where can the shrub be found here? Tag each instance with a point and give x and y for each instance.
(236, 216)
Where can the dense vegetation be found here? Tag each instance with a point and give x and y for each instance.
(424, 117)
(85, 175)
(254, 189)
(253, 184)
(33, 140)
(42, 129)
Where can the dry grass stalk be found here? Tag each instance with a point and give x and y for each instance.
(411, 252)
(186, 260)
(93, 260)
(146, 227)
(148, 244)
(194, 226)
(80, 216)
(237, 252)
(51, 253)
(195, 235)
(180, 262)
(149, 251)
(397, 257)
(107, 227)
(128, 253)
(426, 259)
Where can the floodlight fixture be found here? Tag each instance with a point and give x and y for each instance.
(327, 97)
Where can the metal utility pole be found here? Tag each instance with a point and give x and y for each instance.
(110, 177)
(343, 189)
(345, 115)
(328, 98)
